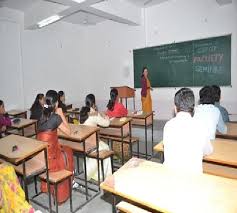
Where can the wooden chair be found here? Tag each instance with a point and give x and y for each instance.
(104, 154)
(127, 140)
(34, 167)
(76, 147)
(124, 207)
(55, 178)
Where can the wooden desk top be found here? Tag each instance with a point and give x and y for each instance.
(139, 115)
(160, 189)
(119, 122)
(72, 110)
(15, 112)
(26, 148)
(23, 123)
(79, 133)
(231, 132)
(68, 106)
(224, 151)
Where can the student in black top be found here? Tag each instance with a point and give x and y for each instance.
(61, 101)
(59, 156)
(37, 107)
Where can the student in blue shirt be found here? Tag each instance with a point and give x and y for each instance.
(223, 111)
(208, 114)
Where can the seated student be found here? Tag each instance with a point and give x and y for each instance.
(61, 101)
(59, 157)
(208, 114)
(185, 140)
(115, 109)
(37, 107)
(223, 111)
(90, 102)
(12, 196)
(5, 121)
(90, 117)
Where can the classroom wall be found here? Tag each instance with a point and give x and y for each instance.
(110, 57)
(54, 58)
(11, 79)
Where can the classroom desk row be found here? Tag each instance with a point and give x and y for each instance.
(224, 152)
(18, 151)
(181, 192)
(28, 127)
(154, 187)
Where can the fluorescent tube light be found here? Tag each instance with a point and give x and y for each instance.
(49, 20)
(78, 1)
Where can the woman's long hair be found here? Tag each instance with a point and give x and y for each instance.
(36, 102)
(60, 94)
(84, 114)
(90, 101)
(143, 69)
(51, 100)
(113, 97)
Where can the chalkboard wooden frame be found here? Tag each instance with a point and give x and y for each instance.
(212, 68)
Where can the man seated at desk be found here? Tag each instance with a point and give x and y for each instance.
(185, 140)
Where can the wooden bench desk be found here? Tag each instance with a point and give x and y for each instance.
(223, 160)
(145, 120)
(17, 113)
(68, 106)
(83, 134)
(155, 188)
(224, 152)
(72, 114)
(22, 125)
(117, 128)
(27, 148)
(231, 132)
(73, 111)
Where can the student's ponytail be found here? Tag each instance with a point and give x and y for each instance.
(113, 97)
(84, 114)
(50, 103)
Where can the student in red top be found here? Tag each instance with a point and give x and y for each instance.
(115, 109)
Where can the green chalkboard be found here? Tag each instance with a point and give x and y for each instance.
(191, 63)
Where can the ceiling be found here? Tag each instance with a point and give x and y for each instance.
(146, 3)
(83, 12)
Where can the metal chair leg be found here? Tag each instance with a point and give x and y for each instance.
(112, 163)
(56, 196)
(70, 193)
(130, 145)
(78, 168)
(102, 168)
(85, 176)
(138, 150)
(35, 182)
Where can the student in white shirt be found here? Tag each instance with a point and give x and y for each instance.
(90, 117)
(185, 141)
(208, 114)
